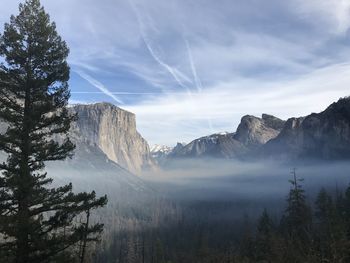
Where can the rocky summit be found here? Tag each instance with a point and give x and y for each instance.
(253, 132)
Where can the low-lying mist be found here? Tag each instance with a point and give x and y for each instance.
(252, 185)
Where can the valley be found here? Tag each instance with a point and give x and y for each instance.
(208, 185)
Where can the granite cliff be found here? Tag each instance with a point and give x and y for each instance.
(113, 131)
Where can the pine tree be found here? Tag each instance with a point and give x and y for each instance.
(35, 220)
(324, 207)
(296, 222)
(346, 209)
(246, 246)
(89, 233)
(342, 228)
(325, 217)
(330, 232)
(159, 252)
(264, 238)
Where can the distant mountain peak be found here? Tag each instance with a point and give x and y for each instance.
(160, 148)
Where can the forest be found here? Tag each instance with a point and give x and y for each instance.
(197, 231)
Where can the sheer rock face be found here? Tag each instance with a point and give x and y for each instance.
(113, 131)
(325, 135)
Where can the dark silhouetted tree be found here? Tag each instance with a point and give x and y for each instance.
(330, 230)
(89, 233)
(296, 222)
(36, 221)
(264, 238)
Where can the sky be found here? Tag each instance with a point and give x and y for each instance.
(190, 68)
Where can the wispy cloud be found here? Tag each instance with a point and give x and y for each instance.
(335, 12)
(117, 93)
(193, 67)
(180, 77)
(178, 64)
(98, 85)
(166, 119)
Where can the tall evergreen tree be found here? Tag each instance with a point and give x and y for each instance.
(35, 220)
(246, 246)
(343, 224)
(346, 209)
(264, 238)
(296, 222)
(325, 217)
(330, 232)
(89, 233)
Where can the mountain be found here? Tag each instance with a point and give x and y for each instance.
(220, 145)
(324, 135)
(160, 152)
(251, 133)
(113, 131)
(178, 148)
(160, 149)
(109, 152)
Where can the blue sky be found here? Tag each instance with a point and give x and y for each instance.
(189, 68)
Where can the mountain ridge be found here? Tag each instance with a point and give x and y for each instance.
(250, 134)
(324, 135)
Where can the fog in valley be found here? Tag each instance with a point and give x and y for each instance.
(233, 188)
(228, 180)
(190, 201)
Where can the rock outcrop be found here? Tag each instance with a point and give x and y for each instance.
(253, 132)
(178, 148)
(325, 135)
(113, 131)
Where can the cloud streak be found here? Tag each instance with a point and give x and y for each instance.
(284, 99)
(193, 68)
(179, 77)
(335, 12)
(178, 64)
(98, 85)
